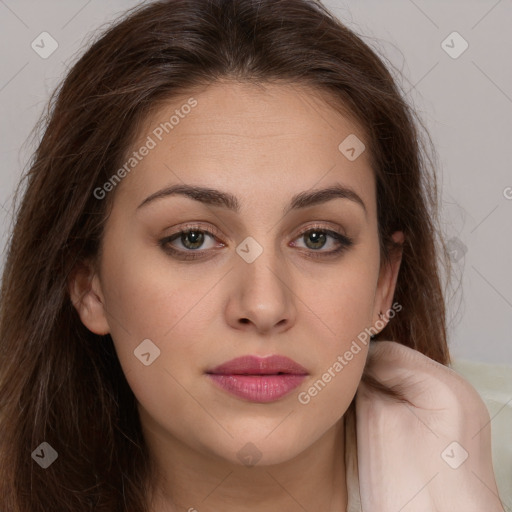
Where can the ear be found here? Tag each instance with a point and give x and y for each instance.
(85, 291)
(388, 276)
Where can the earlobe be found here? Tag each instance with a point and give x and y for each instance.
(87, 298)
(387, 279)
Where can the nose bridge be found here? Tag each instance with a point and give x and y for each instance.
(265, 290)
(261, 263)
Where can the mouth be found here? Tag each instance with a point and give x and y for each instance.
(258, 379)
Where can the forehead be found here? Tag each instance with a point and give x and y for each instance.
(252, 138)
(253, 111)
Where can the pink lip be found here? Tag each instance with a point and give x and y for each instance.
(259, 379)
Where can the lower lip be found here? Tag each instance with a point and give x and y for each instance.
(258, 388)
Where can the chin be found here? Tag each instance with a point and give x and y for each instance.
(254, 449)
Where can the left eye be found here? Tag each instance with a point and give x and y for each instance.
(316, 238)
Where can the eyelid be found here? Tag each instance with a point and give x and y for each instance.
(323, 226)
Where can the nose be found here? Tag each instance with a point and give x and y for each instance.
(262, 298)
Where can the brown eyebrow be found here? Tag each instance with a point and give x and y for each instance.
(227, 200)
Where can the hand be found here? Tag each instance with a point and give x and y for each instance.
(433, 454)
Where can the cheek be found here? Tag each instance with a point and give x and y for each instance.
(147, 292)
(147, 298)
(340, 357)
(346, 301)
(345, 314)
(329, 393)
(149, 301)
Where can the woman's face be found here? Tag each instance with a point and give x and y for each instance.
(270, 267)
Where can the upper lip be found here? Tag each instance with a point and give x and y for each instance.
(256, 365)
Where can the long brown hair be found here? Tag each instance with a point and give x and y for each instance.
(62, 384)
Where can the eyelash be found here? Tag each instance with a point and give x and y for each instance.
(344, 242)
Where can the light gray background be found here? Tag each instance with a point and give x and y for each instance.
(466, 103)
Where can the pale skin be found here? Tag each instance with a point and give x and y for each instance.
(263, 145)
